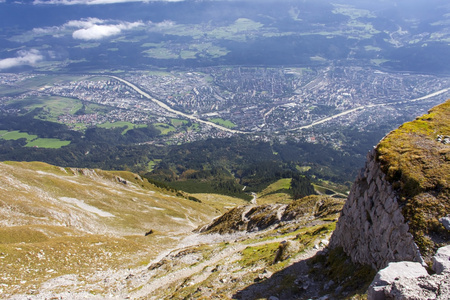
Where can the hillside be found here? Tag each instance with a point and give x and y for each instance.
(57, 221)
(77, 233)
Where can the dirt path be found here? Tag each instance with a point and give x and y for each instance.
(180, 275)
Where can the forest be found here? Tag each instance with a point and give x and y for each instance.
(233, 166)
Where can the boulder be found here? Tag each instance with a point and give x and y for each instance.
(446, 222)
(393, 272)
(441, 260)
(423, 288)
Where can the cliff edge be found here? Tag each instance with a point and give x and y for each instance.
(398, 205)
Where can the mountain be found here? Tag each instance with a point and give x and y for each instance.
(72, 233)
(83, 233)
(59, 221)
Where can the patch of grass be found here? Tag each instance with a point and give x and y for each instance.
(187, 54)
(308, 235)
(15, 135)
(26, 265)
(119, 124)
(222, 122)
(21, 234)
(164, 128)
(277, 192)
(151, 164)
(47, 143)
(254, 255)
(178, 122)
(160, 53)
(303, 169)
(52, 107)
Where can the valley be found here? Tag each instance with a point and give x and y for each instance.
(209, 149)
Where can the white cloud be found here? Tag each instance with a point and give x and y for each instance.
(94, 2)
(96, 32)
(89, 29)
(30, 57)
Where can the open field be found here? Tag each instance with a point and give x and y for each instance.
(47, 143)
(222, 122)
(33, 140)
(129, 125)
(164, 128)
(15, 135)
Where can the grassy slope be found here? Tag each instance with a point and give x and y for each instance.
(56, 221)
(418, 165)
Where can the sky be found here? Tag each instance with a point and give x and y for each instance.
(71, 23)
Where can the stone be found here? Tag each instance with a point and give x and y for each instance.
(446, 222)
(328, 285)
(441, 260)
(264, 275)
(423, 288)
(394, 271)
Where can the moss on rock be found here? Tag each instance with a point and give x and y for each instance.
(415, 160)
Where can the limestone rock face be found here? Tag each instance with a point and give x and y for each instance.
(371, 228)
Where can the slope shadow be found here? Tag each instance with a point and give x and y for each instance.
(285, 284)
(331, 275)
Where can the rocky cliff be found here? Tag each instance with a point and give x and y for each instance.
(394, 207)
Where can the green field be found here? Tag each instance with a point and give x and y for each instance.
(222, 122)
(151, 165)
(53, 107)
(15, 135)
(178, 122)
(160, 53)
(164, 128)
(109, 125)
(47, 143)
(33, 140)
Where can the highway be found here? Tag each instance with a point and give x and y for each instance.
(168, 108)
(369, 106)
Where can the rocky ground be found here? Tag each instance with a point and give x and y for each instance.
(282, 257)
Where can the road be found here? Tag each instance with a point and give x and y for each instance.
(324, 120)
(168, 108)
(368, 106)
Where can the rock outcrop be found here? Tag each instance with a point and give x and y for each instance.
(371, 228)
(252, 218)
(398, 207)
(409, 280)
